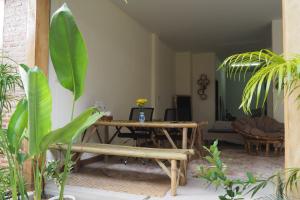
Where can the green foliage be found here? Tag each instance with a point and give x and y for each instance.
(40, 135)
(32, 118)
(215, 174)
(4, 182)
(9, 80)
(285, 182)
(68, 51)
(17, 124)
(39, 109)
(53, 171)
(266, 67)
(69, 58)
(15, 159)
(69, 132)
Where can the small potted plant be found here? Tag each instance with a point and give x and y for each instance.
(141, 103)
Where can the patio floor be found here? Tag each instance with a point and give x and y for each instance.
(115, 187)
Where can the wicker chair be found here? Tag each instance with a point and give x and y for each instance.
(260, 133)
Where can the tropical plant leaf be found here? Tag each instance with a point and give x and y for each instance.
(17, 124)
(68, 51)
(266, 68)
(69, 132)
(39, 109)
(9, 80)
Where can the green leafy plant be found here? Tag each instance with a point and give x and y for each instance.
(215, 174)
(285, 182)
(69, 57)
(4, 182)
(9, 80)
(40, 135)
(53, 171)
(235, 189)
(32, 117)
(265, 67)
(11, 138)
(11, 143)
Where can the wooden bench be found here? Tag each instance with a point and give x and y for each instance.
(172, 155)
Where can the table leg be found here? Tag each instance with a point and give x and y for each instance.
(169, 138)
(267, 149)
(106, 139)
(173, 177)
(183, 164)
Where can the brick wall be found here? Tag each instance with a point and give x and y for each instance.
(14, 36)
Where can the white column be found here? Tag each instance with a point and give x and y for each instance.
(277, 47)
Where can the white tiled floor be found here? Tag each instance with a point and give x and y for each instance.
(194, 190)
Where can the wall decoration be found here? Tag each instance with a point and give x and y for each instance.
(202, 82)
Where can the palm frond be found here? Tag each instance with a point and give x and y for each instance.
(265, 67)
(9, 81)
(248, 62)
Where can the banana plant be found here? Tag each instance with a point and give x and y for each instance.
(39, 132)
(11, 142)
(70, 59)
(32, 118)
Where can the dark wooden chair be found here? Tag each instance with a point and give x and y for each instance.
(141, 136)
(137, 133)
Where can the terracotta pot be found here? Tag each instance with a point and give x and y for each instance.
(66, 197)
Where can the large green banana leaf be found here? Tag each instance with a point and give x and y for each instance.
(17, 124)
(39, 109)
(68, 51)
(69, 132)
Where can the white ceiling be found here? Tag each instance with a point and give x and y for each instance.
(224, 26)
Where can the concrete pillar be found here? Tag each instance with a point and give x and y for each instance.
(291, 44)
(277, 47)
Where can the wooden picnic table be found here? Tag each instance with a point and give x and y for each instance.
(163, 126)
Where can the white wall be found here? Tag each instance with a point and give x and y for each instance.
(204, 110)
(183, 73)
(120, 62)
(221, 78)
(189, 67)
(277, 47)
(164, 81)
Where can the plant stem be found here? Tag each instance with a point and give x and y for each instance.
(67, 160)
(65, 173)
(38, 175)
(73, 109)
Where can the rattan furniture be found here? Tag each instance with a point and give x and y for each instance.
(261, 135)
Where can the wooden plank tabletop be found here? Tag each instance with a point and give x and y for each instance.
(149, 124)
